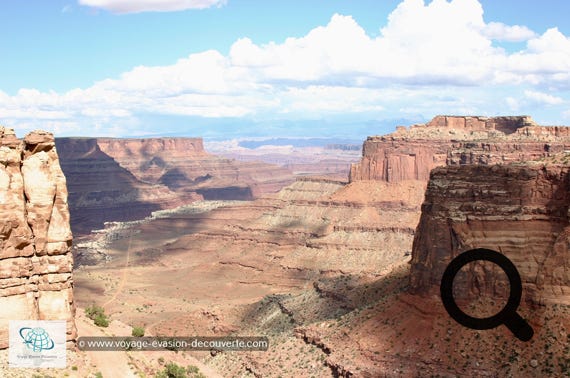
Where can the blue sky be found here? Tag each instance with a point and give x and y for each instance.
(242, 68)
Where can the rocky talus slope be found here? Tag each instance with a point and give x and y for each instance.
(411, 153)
(35, 235)
(126, 179)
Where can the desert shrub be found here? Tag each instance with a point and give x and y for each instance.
(172, 370)
(93, 310)
(101, 321)
(137, 332)
(194, 372)
(97, 314)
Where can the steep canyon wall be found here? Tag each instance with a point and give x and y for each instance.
(499, 183)
(520, 210)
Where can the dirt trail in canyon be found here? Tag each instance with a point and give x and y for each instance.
(124, 272)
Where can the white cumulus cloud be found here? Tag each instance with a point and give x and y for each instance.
(543, 98)
(137, 6)
(431, 58)
(502, 32)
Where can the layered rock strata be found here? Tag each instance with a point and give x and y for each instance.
(101, 190)
(332, 160)
(411, 153)
(182, 165)
(313, 252)
(35, 235)
(127, 179)
(518, 210)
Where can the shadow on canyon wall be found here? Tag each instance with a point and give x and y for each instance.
(101, 190)
(98, 186)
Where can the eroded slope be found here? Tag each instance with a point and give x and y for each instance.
(312, 253)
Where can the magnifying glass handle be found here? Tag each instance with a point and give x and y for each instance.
(519, 327)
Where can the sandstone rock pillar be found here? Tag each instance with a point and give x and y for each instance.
(35, 235)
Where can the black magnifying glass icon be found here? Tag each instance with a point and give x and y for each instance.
(508, 315)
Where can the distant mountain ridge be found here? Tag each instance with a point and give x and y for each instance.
(297, 142)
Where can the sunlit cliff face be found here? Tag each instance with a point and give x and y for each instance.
(36, 237)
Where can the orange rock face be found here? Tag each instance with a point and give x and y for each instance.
(507, 125)
(394, 160)
(518, 210)
(410, 154)
(148, 159)
(35, 234)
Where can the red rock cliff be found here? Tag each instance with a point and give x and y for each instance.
(148, 158)
(101, 190)
(519, 210)
(393, 160)
(411, 153)
(126, 179)
(35, 234)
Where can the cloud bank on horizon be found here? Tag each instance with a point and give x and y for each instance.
(427, 59)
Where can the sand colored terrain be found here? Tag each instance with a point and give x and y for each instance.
(322, 269)
(236, 268)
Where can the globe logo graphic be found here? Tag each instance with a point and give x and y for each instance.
(36, 339)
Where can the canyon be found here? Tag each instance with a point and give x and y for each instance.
(323, 266)
(126, 179)
(35, 237)
(341, 276)
(330, 159)
(323, 269)
(315, 251)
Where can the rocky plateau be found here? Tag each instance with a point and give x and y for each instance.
(411, 153)
(331, 160)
